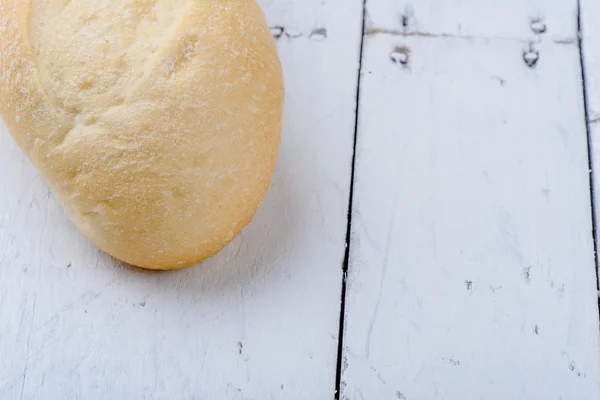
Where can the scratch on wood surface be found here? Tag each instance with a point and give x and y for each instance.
(33, 308)
(82, 300)
(243, 319)
(567, 41)
(403, 33)
(375, 313)
(509, 235)
(383, 273)
(27, 347)
(379, 377)
(372, 31)
(203, 358)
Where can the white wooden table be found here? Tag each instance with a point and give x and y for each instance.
(438, 243)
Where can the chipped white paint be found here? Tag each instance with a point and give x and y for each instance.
(260, 321)
(472, 269)
(590, 43)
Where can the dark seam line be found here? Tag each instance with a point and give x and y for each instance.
(589, 147)
(340, 351)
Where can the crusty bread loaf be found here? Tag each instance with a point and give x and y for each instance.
(155, 122)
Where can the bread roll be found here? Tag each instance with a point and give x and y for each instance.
(155, 122)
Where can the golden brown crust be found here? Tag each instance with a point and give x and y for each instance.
(156, 122)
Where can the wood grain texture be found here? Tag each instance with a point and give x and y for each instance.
(471, 269)
(590, 48)
(259, 321)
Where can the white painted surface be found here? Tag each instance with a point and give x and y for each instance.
(590, 43)
(471, 272)
(260, 321)
(489, 18)
(472, 268)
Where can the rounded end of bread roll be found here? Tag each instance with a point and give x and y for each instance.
(156, 124)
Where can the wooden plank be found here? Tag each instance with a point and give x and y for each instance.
(590, 47)
(471, 269)
(256, 322)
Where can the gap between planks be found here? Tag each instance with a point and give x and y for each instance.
(340, 351)
(589, 147)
